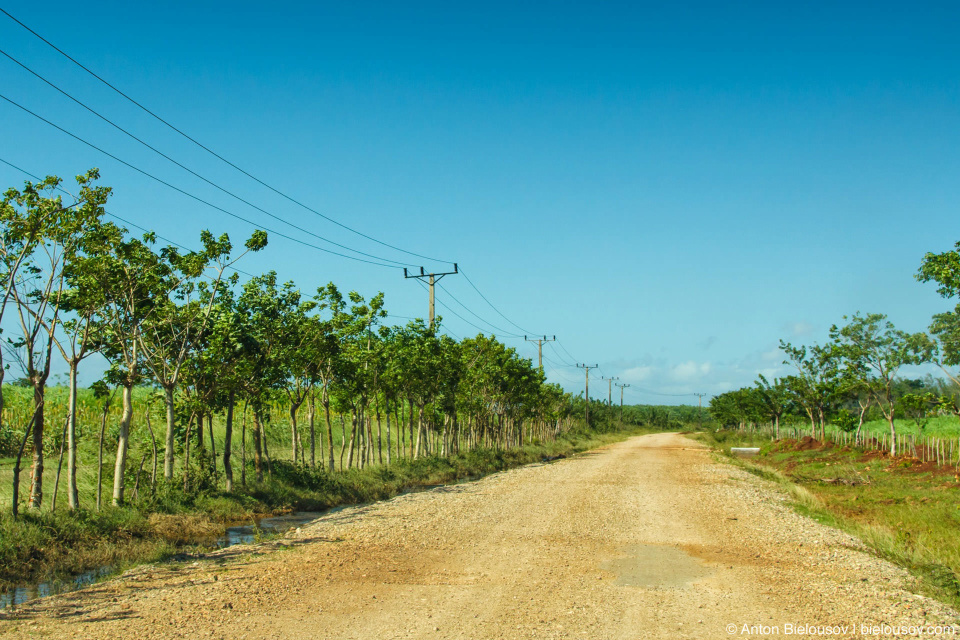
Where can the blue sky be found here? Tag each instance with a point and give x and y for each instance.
(669, 188)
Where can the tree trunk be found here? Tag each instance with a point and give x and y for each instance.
(257, 452)
(186, 454)
(402, 429)
(153, 441)
(103, 429)
(353, 439)
(122, 445)
(313, 436)
(293, 431)
(228, 444)
(136, 484)
(56, 481)
(326, 410)
(213, 446)
(169, 443)
(411, 428)
(16, 466)
(386, 407)
(343, 440)
(893, 433)
(418, 450)
(243, 446)
(36, 484)
(266, 447)
(73, 494)
(863, 411)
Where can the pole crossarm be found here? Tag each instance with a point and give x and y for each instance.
(432, 280)
(699, 409)
(586, 368)
(622, 386)
(540, 342)
(609, 380)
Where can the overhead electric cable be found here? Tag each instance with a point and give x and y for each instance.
(197, 175)
(190, 195)
(560, 344)
(526, 331)
(115, 216)
(215, 154)
(502, 331)
(557, 364)
(557, 353)
(563, 377)
(657, 393)
(445, 306)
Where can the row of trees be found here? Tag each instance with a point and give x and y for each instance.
(857, 370)
(76, 284)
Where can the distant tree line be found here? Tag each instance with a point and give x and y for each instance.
(856, 375)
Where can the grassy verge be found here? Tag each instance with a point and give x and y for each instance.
(49, 546)
(904, 510)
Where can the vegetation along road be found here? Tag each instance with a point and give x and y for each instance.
(646, 538)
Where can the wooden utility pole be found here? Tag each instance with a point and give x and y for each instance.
(609, 388)
(540, 342)
(700, 409)
(586, 368)
(622, 387)
(432, 279)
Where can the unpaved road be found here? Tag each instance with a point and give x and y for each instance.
(647, 538)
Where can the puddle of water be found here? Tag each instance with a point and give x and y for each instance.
(655, 567)
(237, 534)
(247, 534)
(240, 534)
(20, 594)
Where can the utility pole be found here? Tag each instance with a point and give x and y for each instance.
(610, 388)
(700, 409)
(432, 279)
(540, 342)
(586, 368)
(622, 387)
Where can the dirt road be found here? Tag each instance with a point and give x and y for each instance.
(647, 538)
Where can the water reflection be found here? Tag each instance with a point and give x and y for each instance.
(240, 534)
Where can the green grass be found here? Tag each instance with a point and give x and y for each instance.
(905, 511)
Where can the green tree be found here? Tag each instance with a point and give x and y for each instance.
(872, 345)
(774, 399)
(44, 236)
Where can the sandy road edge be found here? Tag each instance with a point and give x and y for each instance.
(785, 493)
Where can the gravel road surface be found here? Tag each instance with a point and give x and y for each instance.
(647, 538)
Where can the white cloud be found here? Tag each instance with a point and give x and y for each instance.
(637, 374)
(800, 329)
(690, 370)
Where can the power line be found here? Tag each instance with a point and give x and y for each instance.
(557, 364)
(215, 154)
(194, 173)
(177, 244)
(190, 195)
(560, 344)
(527, 331)
(669, 395)
(565, 378)
(121, 219)
(476, 315)
(557, 353)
